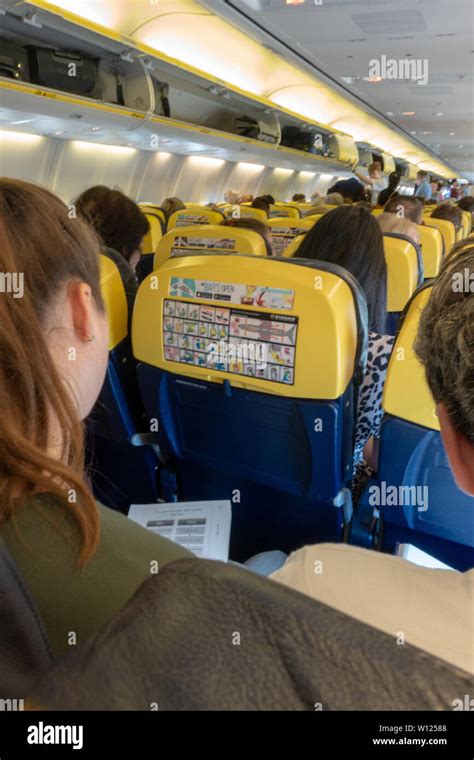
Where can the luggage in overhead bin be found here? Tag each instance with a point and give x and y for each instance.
(266, 129)
(62, 70)
(13, 61)
(302, 139)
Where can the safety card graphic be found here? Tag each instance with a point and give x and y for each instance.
(254, 344)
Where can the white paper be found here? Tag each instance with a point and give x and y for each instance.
(202, 527)
(419, 557)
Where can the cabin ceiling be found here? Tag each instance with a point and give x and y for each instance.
(340, 37)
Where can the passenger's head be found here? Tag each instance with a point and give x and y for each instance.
(466, 204)
(118, 221)
(445, 346)
(350, 237)
(213, 207)
(334, 199)
(261, 203)
(375, 170)
(53, 349)
(299, 198)
(393, 180)
(245, 199)
(171, 205)
(269, 198)
(450, 212)
(314, 197)
(406, 207)
(391, 224)
(246, 223)
(231, 196)
(421, 176)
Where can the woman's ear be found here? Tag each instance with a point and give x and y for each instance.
(81, 302)
(460, 451)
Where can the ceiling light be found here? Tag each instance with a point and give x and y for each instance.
(250, 167)
(206, 161)
(19, 136)
(101, 147)
(408, 113)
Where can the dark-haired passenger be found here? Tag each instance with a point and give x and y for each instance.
(299, 198)
(121, 225)
(449, 212)
(261, 203)
(247, 223)
(391, 191)
(351, 237)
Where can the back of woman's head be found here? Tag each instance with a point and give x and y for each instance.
(261, 203)
(41, 244)
(450, 213)
(334, 199)
(118, 221)
(391, 224)
(171, 205)
(247, 223)
(350, 237)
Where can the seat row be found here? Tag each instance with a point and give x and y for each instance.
(240, 381)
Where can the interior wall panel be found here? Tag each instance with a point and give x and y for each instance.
(26, 157)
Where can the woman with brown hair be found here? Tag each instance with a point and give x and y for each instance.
(81, 561)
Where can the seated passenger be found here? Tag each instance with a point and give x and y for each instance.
(231, 196)
(391, 190)
(299, 198)
(406, 207)
(430, 609)
(171, 205)
(269, 198)
(392, 224)
(350, 237)
(467, 204)
(334, 199)
(375, 182)
(261, 203)
(450, 212)
(244, 199)
(81, 562)
(247, 223)
(313, 198)
(121, 226)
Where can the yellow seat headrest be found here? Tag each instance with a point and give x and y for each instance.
(115, 301)
(431, 243)
(285, 230)
(298, 324)
(218, 238)
(189, 217)
(406, 393)
(401, 258)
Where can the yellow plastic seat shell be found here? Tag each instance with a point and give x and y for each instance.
(431, 242)
(267, 290)
(447, 230)
(402, 272)
(192, 216)
(284, 231)
(115, 301)
(406, 392)
(183, 241)
(153, 236)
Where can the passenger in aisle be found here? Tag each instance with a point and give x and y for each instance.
(391, 190)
